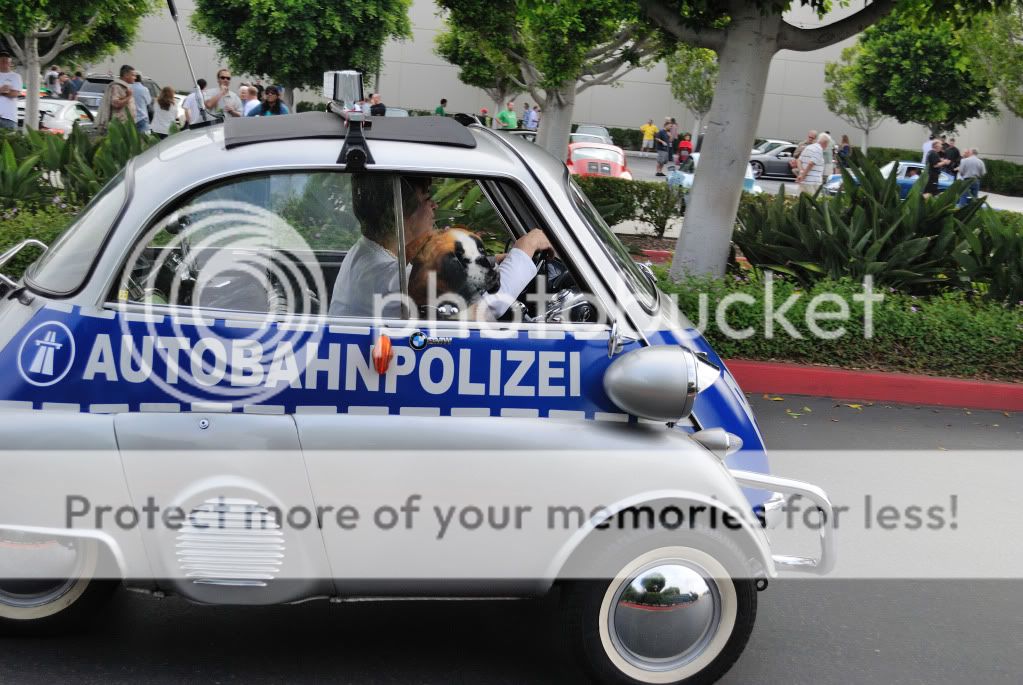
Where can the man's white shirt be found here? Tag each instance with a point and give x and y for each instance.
(9, 106)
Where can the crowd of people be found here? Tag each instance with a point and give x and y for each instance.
(507, 118)
(668, 144)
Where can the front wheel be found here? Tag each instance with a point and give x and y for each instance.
(758, 169)
(676, 613)
(61, 591)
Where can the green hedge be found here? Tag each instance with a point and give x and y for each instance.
(307, 106)
(945, 335)
(652, 202)
(627, 138)
(17, 224)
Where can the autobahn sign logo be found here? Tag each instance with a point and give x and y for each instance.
(46, 354)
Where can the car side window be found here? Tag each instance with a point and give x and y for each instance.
(364, 246)
(269, 243)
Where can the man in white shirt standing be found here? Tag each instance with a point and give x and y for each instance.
(220, 100)
(192, 114)
(250, 101)
(10, 90)
(811, 164)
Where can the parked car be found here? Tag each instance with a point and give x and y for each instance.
(774, 161)
(685, 180)
(525, 134)
(187, 346)
(762, 145)
(597, 159)
(91, 92)
(587, 138)
(59, 116)
(906, 176)
(595, 130)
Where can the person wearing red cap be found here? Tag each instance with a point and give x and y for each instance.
(484, 116)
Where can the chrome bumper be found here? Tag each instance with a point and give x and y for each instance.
(825, 561)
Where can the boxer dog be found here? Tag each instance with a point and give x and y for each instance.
(458, 261)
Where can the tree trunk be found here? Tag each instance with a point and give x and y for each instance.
(866, 142)
(556, 123)
(32, 69)
(744, 60)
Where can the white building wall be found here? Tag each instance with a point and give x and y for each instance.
(414, 77)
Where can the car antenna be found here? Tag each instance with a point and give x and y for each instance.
(344, 89)
(197, 92)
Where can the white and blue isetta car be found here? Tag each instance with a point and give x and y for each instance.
(195, 399)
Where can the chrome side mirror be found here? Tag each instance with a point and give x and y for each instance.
(660, 382)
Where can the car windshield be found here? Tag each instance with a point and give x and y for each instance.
(63, 268)
(603, 154)
(644, 289)
(94, 86)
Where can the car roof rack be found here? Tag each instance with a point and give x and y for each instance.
(431, 130)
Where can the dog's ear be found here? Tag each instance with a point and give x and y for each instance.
(451, 273)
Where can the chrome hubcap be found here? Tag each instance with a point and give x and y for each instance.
(37, 570)
(664, 615)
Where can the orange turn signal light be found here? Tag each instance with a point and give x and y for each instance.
(382, 354)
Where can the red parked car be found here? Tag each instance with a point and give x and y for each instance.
(597, 159)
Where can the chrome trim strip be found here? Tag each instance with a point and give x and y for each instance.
(825, 562)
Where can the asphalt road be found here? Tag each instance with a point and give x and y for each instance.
(808, 631)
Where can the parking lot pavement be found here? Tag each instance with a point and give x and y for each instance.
(809, 631)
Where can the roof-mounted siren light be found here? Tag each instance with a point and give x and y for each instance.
(344, 90)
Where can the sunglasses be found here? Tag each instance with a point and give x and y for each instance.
(224, 78)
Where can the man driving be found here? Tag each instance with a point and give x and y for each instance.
(370, 268)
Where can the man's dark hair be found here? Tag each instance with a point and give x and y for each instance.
(201, 83)
(373, 202)
(443, 101)
(78, 73)
(125, 70)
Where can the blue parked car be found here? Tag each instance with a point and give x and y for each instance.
(907, 173)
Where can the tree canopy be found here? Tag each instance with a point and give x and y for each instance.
(693, 76)
(558, 49)
(922, 73)
(492, 72)
(842, 99)
(41, 32)
(996, 46)
(295, 41)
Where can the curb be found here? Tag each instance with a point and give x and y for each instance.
(824, 381)
(658, 256)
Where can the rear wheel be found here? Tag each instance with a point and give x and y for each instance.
(758, 169)
(674, 613)
(61, 592)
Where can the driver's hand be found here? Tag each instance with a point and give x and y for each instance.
(533, 242)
